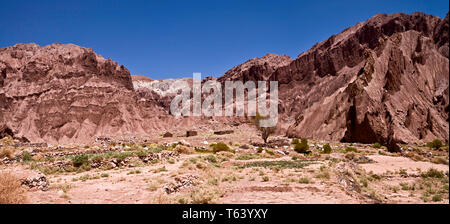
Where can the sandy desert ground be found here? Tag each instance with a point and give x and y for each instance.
(182, 169)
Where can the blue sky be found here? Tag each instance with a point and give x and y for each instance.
(171, 39)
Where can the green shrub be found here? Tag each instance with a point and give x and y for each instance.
(437, 197)
(295, 141)
(302, 147)
(350, 149)
(211, 159)
(220, 147)
(259, 149)
(26, 156)
(270, 152)
(433, 173)
(377, 145)
(435, 144)
(327, 148)
(80, 160)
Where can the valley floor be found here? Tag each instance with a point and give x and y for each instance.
(185, 170)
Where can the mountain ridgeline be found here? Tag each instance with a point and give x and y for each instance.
(384, 80)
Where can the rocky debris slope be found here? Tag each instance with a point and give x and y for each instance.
(256, 69)
(384, 80)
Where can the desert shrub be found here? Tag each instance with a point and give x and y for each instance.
(211, 159)
(11, 191)
(184, 149)
(221, 147)
(26, 156)
(323, 173)
(302, 147)
(205, 195)
(246, 156)
(377, 145)
(202, 150)
(7, 140)
(80, 160)
(259, 149)
(159, 149)
(97, 158)
(435, 144)
(433, 173)
(270, 152)
(350, 156)
(327, 148)
(121, 156)
(437, 197)
(304, 180)
(295, 141)
(265, 178)
(350, 149)
(440, 160)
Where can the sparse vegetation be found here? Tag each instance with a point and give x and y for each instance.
(80, 160)
(302, 147)
(6, 151)
(11, 191)
(435, 144)
(433, 173)
(327, 148)
(350, 149)
(221, 147)
(377, 145)
(26, 156)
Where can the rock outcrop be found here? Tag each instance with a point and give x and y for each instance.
(384, 80)
(66, 93)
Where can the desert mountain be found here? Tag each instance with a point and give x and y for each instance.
(66, 93)
(384, 80)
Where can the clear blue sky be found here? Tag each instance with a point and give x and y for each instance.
(170, 39)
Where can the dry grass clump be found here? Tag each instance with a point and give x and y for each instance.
(6, 151)
(7, 140)
(202, 195)
(184, 149)
(11, 191)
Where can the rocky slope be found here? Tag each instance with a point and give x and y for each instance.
(384, 80)
(66, 93)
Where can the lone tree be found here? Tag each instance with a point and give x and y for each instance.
(265, 131)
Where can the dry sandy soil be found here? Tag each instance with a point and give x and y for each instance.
(170, 170)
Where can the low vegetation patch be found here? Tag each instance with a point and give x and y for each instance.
(11, 191)
(279, 164)
(435, 144)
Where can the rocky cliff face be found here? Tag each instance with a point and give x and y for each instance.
(66, 93)
(384, 80)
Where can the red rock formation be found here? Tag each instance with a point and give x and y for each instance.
(384, 80)
(66, 93)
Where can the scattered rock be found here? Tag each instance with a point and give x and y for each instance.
(39, 182)
(191, 133)
(181, 182)
(168, 135)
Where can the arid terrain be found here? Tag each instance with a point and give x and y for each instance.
(363, 118)
(187, 170)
